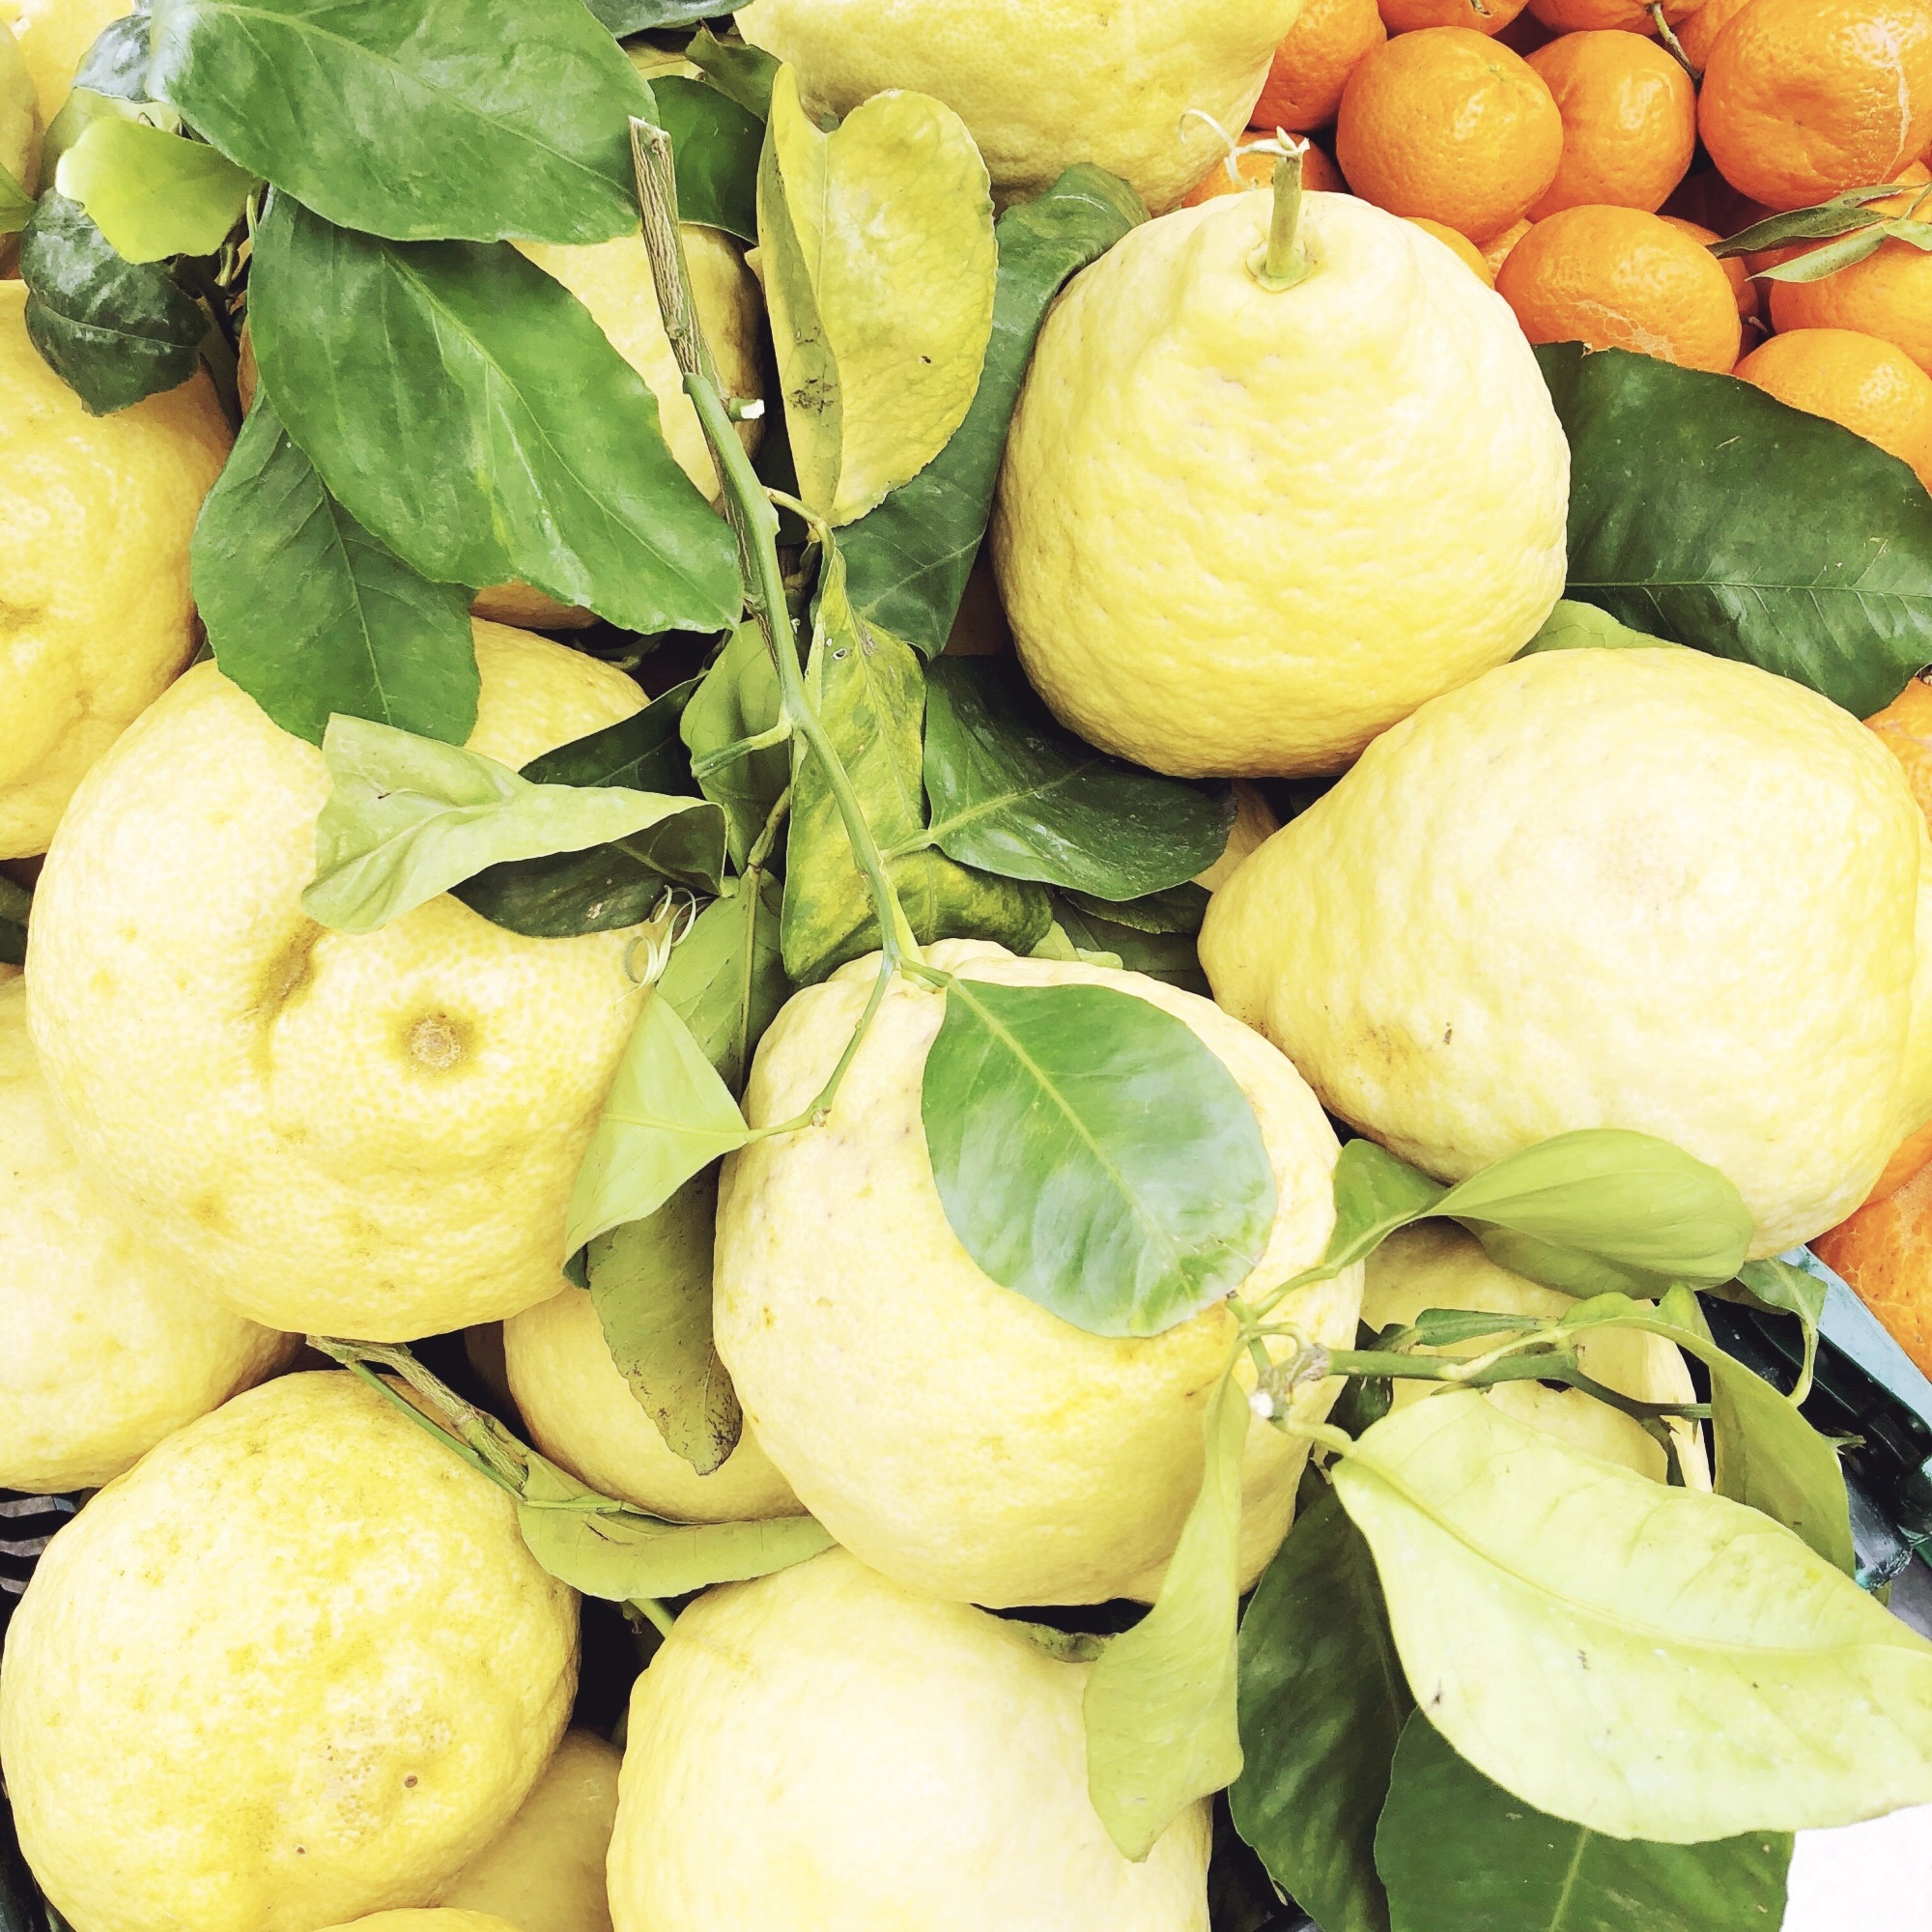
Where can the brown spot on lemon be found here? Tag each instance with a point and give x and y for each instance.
(438, 1041)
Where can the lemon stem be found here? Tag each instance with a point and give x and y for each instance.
(1285, 261)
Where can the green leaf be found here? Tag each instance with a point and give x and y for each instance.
(115, 332)
(1839, 215)
(668, 1115)
(408, 819)
(625, 17)
(1322, 1702)
(1159, 1705)
(154, 194)
(310, 616)
(726, 977)
(1583, 627)
(744, 72)
(1013, 793)
(1652, 1663)
(651, 1283)
(621, 1554)
(879, 267)
(911, 555)
(15, 902)
(1175, 910)
(412, 122)
(1780, 1288)
(715, 148)
(466, 410)
(608, 886)
(1168, 956)
(16, 204)
(1695, 513)
(117, 60)
(1462, 1855)
(1374, 1195)
(1815, 264)
(868, 691)
(1092, 1154)
(737, 698)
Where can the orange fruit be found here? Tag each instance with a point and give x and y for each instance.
(1905, 728)
(1874, 389)
(1619, 279)
(1253, 167)
(1805, 97)
(1885, 1254)
(1461, 246)
(1321, 50)
(1479, 16)
(1496, 250)
(1586, 16)
(1887, 295)
(1698, 31)
(1911, 1155)
(1733, 266)
(1447, 123)
(1630, 121)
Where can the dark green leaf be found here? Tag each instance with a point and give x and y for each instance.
(715, 147)
(643, 752)
(117, 62)
(113, 331)
(469, 120)
(1374, 1195)
(1839, 215)
(1094, 1155)
(1459, 1853)
(1168, 956)
(738, 699)
(310, 616)
(466, 408)
(746, 74)
(726, 977)
(1013, 793)
(1323, 1703)
(1815, 264)
(1695, 513)
(651, 1283)
(911, 555)
(625, 17)
(154, 194)
(1179, 910)
(15, 902)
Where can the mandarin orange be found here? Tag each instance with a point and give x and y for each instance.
(1312, 64)
(1872, 388)
(1630, 121)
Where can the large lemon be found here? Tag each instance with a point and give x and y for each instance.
(1643, 889)
(371, 1136)
(1240, 529)
(296, 1665)
(95, 612)
(54, 36)
(546, 1872)
(111, 1344)
(432, 1918)
(19, 116)
(949, 1432)
(581, 1413)
(1135, 85)
(824, 1751)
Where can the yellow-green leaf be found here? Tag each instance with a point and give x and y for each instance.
(153, 193)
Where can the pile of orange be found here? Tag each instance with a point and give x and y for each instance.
(1586, 154)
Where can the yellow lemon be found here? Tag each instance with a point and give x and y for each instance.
(1644, 888)
(434, 1919)
(95, 612)
(1134, 85)
(54, 36)
(581, 1413)
(19, 116)
(824, 1751)
(372, 1136)
(294, 1666)
(1240, 529)
(950, 1431)
(111, 1343)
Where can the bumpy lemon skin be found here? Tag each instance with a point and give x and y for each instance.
(546, 1872)
(95, 612)
(54, 36)
(432, 1918)
(1240, 531)
(825, 1752)
(1640, 888)
(1044, 84)
(949, 1432)
(296, 1667)
(111, 1344)
(581, 1414)
(373, 1136)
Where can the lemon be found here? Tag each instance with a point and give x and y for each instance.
(20, 117)
(54, 36)
(111, 1343)
(581, 1413)
(95, 612)
(1044, 84)
(431, 1920)
(1436, 1265)
(946, 1431)
(824, 1751)
(1643, 889)
(546, 1872)
(296, 1665)
(371, 1136)
(1240, 530)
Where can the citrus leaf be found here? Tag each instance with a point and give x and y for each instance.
(1175, 910)
(1648, 1662)
(1015, 793)
(737, 698)
(1168, 956)
(1780, 1287)
(726, 976)
(116, 62)
(1695, 513)
(409, 122)
(1374, 1195)
(1462, 1855)
(1322, 1702)
(744, 72)
(16, 904)
(650, 1281)
(1839, 215)
(16, 204)
(310, 616)
(879, 262)
(1583, 627)
(115, 332)
(910, 556)
(1160, 1704)
(150, 193)
(466, 410)
(408, 819)
(715, 148)
(625, 17)
(1092, 1154)
(1815, 264)
(668, 1115)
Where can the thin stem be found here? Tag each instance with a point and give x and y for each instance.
(703, 766)
(814, 1115)
(476, 1429)
(1285, 261)
(655, 1611)
(761, 849)
(1672, 44)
